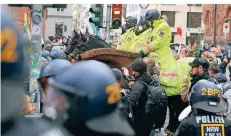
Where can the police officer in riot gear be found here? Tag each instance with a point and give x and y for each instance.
(87, 94)
(126, 38)
(45, 54)
(142, 26)
(142, 31)
(52, 69)
(204, 120)
(13, 122)
(57, 54)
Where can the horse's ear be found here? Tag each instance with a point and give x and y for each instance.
(75, 32)
(79, 35)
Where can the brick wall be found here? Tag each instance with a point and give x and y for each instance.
(223, 11)
(18, 15)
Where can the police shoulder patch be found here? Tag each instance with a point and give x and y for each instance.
(129, 39)
(161, 34)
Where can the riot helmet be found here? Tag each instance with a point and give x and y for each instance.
(142, 26)
(206, 96)
(131, 22)
(57, 54)
(152, 15)
(52, 69)
(43, 62)
(90, 90)
(45, 54)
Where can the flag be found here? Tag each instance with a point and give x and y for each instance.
(27, 22)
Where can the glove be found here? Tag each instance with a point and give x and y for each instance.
(142, 54)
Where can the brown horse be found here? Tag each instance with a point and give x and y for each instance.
(112, 57)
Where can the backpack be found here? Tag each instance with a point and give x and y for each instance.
(126, 109)
(156, 104)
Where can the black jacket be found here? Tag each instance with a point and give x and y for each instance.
(221, 78)
(137, 97)
(138, 89)
(194, 80)
(227, 52)
(192, 126)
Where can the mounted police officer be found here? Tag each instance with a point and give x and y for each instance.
(159, 42)
(142, 32)
(87, 94)
(13, 122)
(205, 99)
(161, 32)
(126, 38)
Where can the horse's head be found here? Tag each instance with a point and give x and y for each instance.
(84, 38)
(73, 42)
(84, 42)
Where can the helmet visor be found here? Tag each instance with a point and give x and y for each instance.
(56, 104)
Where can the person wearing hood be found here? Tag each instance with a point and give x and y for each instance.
(214, 72)
(137, 94)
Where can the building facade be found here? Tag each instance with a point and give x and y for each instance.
(59, 21)
(186, 16)
(223, 11)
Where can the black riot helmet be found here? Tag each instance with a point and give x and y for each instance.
(131, 22)
(142, 26)
(152, 15)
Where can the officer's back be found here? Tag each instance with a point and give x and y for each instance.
(204, 120)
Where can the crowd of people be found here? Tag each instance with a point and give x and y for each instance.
(87, 98)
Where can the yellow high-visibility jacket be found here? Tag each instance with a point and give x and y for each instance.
(125, 40)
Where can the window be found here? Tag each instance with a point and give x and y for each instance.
(194, 37)
(59, 29)
(193, 20)
(171, 17)
(60, 9)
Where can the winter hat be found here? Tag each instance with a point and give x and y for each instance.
(118, 74)
(139, 66)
